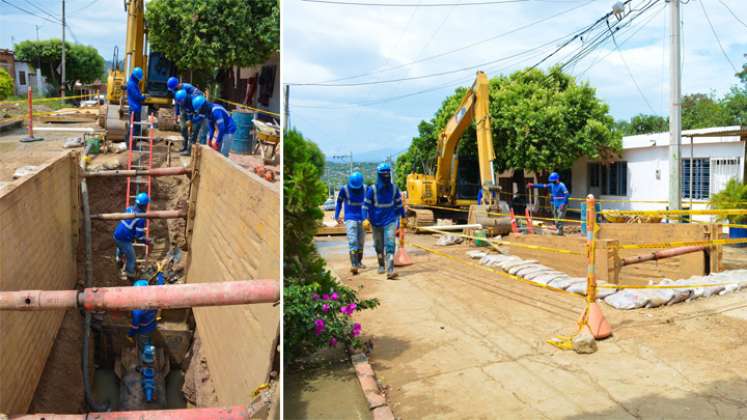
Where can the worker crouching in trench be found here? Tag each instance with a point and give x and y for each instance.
(383, 205)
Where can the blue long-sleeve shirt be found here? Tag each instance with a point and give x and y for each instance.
(383, 205)
(220, 119)
(558, 193)
(129, 230)
(143, 321)
(192, 92)
(351, 199)
(135, 99)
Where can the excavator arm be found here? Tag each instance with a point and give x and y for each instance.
(473, 107)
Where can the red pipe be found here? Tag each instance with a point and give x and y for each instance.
(152, 297)
(238, 412)
(157, 214)
(667, 253)
(174, 170)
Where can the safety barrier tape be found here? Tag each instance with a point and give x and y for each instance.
(714, 242)
(508, 243)
(497, 214)
(54, 99)
(661, 286)
(262, 111)
(705, 212)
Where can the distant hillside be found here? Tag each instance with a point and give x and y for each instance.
(375, 155)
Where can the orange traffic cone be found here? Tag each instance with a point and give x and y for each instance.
(597, 323)
(401, 258)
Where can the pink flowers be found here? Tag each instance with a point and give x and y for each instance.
(356, 330)
(332, 342)
(319, 326)
(325, 308)
(315, 296)
(334, 296)
(325, 297)
(348, 309)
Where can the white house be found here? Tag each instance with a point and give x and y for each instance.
(640, 179)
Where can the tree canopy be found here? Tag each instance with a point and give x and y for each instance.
(82, 62)
(6, 84)
(205, 35)
(541, 121)
(643, 124)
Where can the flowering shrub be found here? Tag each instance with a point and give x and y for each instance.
(315, 319)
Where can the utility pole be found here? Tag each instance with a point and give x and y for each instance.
(285, 108)
(675, 113)
(351, 162)
(62, 73)
(39, 82)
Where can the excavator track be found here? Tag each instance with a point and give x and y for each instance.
(420, 218)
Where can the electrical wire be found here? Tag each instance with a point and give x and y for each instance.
(630, 73)
(462, 48)
(28, 11)
(39, 8)
(86, 6)
(715, 35)
(732, 13)
(474, 3)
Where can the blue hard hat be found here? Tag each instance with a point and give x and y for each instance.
(180, 96)
(554, 177)
(137, 72)
(141, 283)
(384, 167)
(142, 199)
(356, 180)
(171, 83)
(198, 102)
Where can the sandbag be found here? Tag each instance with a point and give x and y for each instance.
(547, 278)
(474, 254)
(657, 297)
(534, 268)
(535, 275)
(447, 240)
(508, 265)
(561, 282)
(515, 268)
(678, 295)
(627, 299)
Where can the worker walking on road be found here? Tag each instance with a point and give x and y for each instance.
(135, 100)
(184, 93)
(127, 232)
(383, 207)
(559, 195)
(218, 119)
(351, 196)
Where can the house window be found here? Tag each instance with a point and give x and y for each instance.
(722, 170)
(22, 78)
(609, 179)
(699, 177)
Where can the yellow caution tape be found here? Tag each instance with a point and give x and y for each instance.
(497, 214)
(662, 286)
(509, 243)
(262, 111)
(35, 101)
(674, 212)
(714, 242)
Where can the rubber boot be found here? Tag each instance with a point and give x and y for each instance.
(390, 274)
(359, 254)
(354, 262)
(380, 257)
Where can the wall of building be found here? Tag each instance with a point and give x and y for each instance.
(23, 80)
(235, 235)
(39, 216)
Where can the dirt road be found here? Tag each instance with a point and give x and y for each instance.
(452, 340)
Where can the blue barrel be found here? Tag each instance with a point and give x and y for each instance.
(738, 233)
(243, 141)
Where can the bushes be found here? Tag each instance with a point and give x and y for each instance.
(733, 196)
(6, 84)
(310, 321)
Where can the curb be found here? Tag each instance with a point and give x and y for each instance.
(376, 399)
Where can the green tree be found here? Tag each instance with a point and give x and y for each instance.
(306, 279)
(82, 63)
(700, 110)
(644, 124)
(6, 84)
(541, 122)
(206, 35)
(735, 104)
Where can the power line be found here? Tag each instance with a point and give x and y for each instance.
(39, 8)
(702, 7)
(732, 13)
(28, 11)
(465, 47)
(86, 6)
(630, 73)
(474, 3)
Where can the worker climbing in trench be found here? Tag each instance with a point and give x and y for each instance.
(350, 199)
(143, 326)
(559, 196)
(383, 207)
(135, 100)
(128, 231)
(218, 120)
(184, 93)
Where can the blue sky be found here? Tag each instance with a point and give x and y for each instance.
(99, 23)
(323, 42)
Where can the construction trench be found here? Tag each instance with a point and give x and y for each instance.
(216, 355)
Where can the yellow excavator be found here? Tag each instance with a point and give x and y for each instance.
(431, 197)
(156, 71)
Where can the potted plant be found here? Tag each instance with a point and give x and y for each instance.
(734, 196)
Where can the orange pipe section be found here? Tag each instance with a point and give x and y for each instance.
(667, 253)
(158, 214)
(237, 412)
(174, 170)
(152, 297)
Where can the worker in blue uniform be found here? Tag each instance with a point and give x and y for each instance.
(143, 322)
(383, 207)
(559, 197)
(350, 198)
(135, 100)
(128, 231)
(218, 119)
(183, 94)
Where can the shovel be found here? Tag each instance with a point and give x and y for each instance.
(401, 259)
